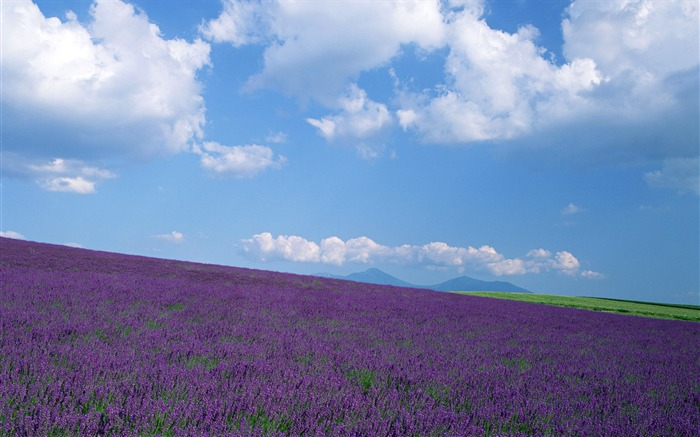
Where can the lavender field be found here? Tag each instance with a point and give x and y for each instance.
(94, 343)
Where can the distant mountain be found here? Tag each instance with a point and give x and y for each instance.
(376, 276)
(371, 276)
(462, 283)
(465, 283)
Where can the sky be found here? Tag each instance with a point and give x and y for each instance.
(552, 144)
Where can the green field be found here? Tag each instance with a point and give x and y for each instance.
(645, 309)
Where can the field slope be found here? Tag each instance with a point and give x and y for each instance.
(645, 309)
(103, 344)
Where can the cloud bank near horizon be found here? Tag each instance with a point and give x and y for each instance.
(363, 250)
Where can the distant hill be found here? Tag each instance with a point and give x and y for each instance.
(376, 276)
(467, 283)
(462, 283)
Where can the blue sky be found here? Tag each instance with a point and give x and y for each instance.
(552, 144)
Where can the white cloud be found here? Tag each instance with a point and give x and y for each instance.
(66, 166)
(372, 151)
(359, 117)
(58, 174)
(332, 251)
(111, 87)
(358, 120)
(70, 176)
(363, 250)
(498, 85)
(407, 117)
(659, 37)
(13, 235)
(681, 174)
(76, 185)
(173, 237)
(237, 161)
(292, 248)
(588, 274)
(566, 263)
(315, 48)
(276, 138)
(241, 22)
(539, 253)
(571, 209)
(631, 73)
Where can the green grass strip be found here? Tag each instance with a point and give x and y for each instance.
(635, 308)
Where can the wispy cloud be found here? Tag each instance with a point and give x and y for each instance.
(363, 250)
(172, 237)
(572, 209)
(680, 174)
(589, 274)
(276, 137)
(57, 174)
(12, 234)
(237, 161)
(70, 176)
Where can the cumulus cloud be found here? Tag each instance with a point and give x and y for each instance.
(315, 48)
(681, 174)
(237, 161)
(113, 87)
(173, 237)
(652, 36)
(291, 248)
(499, 85)
(358, 120)
(630, 72)
(363, 250)
(241, 22)
(566, 262)
(13, 235)
(359, 117)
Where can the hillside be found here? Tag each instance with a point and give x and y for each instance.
(97, 343)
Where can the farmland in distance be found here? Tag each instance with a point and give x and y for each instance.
(644, 309)
(96, 343)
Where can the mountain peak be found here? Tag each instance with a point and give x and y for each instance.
(374, 275)
(465, 283)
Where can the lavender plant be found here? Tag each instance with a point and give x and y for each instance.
(94, 343)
